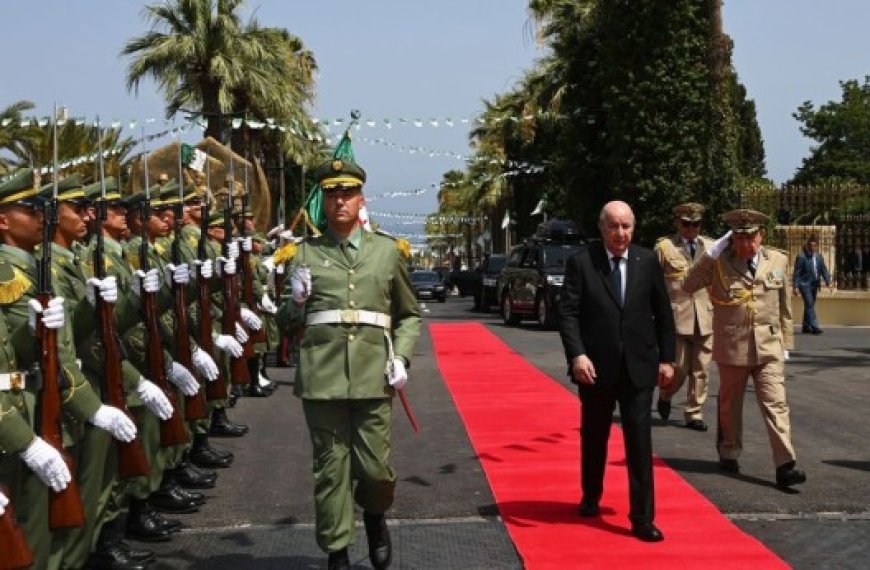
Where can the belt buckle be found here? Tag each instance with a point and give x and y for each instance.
(349, 316)
(16, 381)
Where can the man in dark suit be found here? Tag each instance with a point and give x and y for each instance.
(617, 327)
(809, 271)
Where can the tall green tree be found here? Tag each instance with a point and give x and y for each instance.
(842, 131)
(15, 139)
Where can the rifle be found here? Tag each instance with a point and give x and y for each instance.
(65, 509)
(247, 273)
(238, 366)
(132, 461)
(16, 553)
(194, 406)
(172, 431)
(216, 389)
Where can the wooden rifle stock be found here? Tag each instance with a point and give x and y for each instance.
(16, 552)
(132, 461)
(247, 276)
(216, 389)
(65, 509)
(194, 406)
(238, 366)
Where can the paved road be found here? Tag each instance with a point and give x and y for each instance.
(260, 514)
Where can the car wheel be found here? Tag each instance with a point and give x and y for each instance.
(545, 317)
(507, 313)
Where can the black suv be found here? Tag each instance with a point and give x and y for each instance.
(530, 285)
(490, 269)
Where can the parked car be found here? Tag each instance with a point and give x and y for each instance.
(530, 284)
(428, 285)
(466, 281)
(490, 270)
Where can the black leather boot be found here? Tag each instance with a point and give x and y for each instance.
(111, 539)
(270, 385)
(254, 389)
(235, 394)
(170, 483)
(338, 560)
(203, 455)
(221, 426)
(380, 546)
(110, 556)
(170, 499)
(141, 526)
(190, 476)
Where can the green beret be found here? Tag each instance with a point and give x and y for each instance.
(22, 185)
(94, 192)
(689, 211)
(70, 188)
(744, 221)
(338, 173)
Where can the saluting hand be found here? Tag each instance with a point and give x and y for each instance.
(583, 370)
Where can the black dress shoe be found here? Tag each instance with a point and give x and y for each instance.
(257, 391)
(192, 477)
(647, 532)
(697, 425)
(729, 466)
(142, 526)
(137, 554)
(221, 426)
(818, 331)
(110, 556)
(664, 409)
(171, 501)
(589, 508)
(806, 330)
(380, 546)
(338, 560)
(787, 476)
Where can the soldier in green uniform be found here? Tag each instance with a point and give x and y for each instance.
(752, 334)
(352, 291)
(21, 221)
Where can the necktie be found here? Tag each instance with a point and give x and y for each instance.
(348, 252)
(692, 248)
(616, 277)
(750, 264)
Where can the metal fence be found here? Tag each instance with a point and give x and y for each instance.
(839, 216)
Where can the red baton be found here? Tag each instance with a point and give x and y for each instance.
(404, 399)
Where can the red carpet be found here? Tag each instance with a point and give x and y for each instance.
(524, 427)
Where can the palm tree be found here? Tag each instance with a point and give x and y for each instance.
(14, 138)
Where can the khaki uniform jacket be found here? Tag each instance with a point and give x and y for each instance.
(348, 361)
(752, 321)
(16, 432)
(675, 260)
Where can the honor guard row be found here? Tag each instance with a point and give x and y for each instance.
(151, 314)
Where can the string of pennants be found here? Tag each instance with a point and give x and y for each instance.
(423, 218)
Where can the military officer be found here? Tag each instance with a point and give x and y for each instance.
(752, 334)
(352, 291)
(692, 314)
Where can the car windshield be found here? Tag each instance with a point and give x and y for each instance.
(496, 264)
(424, 277)
(555, 255)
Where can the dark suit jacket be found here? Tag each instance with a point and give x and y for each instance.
(639, 334)
(803, 271)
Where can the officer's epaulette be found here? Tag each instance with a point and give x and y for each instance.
(159, 248)
(401, 243)
(13, 284)
(284, 253)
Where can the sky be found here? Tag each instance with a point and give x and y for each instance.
(422, 59)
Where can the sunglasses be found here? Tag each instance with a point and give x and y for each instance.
(687, 224)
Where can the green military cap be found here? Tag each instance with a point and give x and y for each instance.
(22, 186)
(216, 219)
(134, 200)
(167, 196)
(70, 189)
(191, 194)
(94, 192)
(744, 221)
(338, 173)
(689, 211)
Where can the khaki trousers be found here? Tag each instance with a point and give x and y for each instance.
(351, 443)
(693, 356)
(769, 381)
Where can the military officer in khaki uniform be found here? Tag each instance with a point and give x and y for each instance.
(351, 289)
(752, 334)
(692, 314)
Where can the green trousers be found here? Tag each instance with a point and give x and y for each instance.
(29, 496)
(351, 444)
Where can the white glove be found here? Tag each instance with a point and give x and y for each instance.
(300, 284)
(204, 364)
(397, 376)
(233, 249)
(719, 246)
(154, 398)
(149, 281)
(204, 269)
(47, 463)
(241, 334)
(267, 305)
(177, 273)
(115, 422)
(786, 355)
(108, 288)
(246, 243)
(53, 316)
(181, 377)
(226, 266)
(228, 344)
(3, 502)
(280, 269)
(287, 235)
(269, 263)
(251, 320)
(275, 231)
